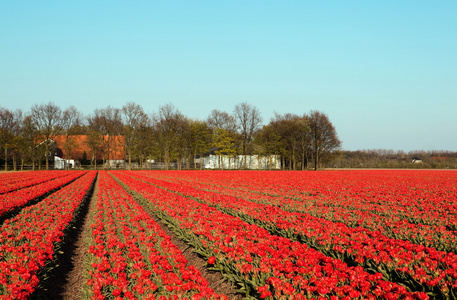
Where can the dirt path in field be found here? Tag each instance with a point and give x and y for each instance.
(74, 279)
(67, 279)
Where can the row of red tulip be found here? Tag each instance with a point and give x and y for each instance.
(387, 224)
(16, 181)
(13, 200)
(400, 260)
(28, 241)
(273, 266)
(427, 197)
(131, 257)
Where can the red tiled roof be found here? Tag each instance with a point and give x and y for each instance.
(80, 145)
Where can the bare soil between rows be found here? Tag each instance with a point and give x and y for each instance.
(65, 280)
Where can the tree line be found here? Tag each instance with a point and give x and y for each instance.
(390, 159)
(167, 136)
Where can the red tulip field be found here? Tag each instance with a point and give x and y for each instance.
(349, 234)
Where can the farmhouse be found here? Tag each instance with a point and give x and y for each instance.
(74, 149)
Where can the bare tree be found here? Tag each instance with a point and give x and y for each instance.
(248, 120)
(6, 136)
(200, 139)
(167, 123)
(303, 132)
(221, 119)
(107, 123)
(323, 136)
(183, 142)
(72, 119)
(16, 130)
(93, 141)
(270, 140)
(10, 125)
(144, 142)
(27, 141)
(49, 122)
(133, 119)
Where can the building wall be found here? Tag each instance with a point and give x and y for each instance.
(253, 162)
(59, 163)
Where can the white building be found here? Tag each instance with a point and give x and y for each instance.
(60, 163)
(253, 162)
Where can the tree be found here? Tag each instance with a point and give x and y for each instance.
(134, 118)
(270, 140)
(6, 135)
(167, 132)
(93, 141)
(248, 120)
(108, 123)
(303, 132)
(223, 141)
(221, 119)
(144, 141)
(323, 137)
(284, 127)
(183, 142)
(10, 127)
(49, 122)
(200, 139)
(71, 122)
(27, 141)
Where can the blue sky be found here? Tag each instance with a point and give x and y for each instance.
(385, 72)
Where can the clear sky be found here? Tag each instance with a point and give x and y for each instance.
(385, 72)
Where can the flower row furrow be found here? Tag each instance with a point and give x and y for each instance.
(28, 240)
(271, 265)
(13, 200)
(131, 257)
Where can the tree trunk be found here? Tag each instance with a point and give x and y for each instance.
(22, 164)
(6, 159)
(130, 161)
(166, 158)
(316, 159)
(14, 162)
(245, 157)
(46, 156)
